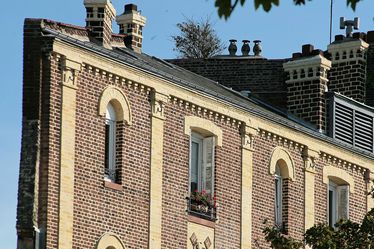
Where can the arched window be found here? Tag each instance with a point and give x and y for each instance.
(282, 167)
(110, 144)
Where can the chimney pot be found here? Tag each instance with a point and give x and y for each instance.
(245, 48)
(339, 37)
(232, 47)
(370, 36)
(307, 49)
(130, 7)
(257, 49)
(296, 55)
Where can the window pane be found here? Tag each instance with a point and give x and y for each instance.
(107, 135)
(194, 166)
(331, 208)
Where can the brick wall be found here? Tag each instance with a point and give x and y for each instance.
(99, 209)
(357, 200)
(348, 72)
(175, 182)
(264, 192)
(306, 100)
(264, 78)
(370, 70)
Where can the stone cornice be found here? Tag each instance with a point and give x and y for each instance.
(205, 112)
(310, 68)
(333, 160)
(285, 142)
(348, 51)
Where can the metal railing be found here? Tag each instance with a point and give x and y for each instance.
(201, 210)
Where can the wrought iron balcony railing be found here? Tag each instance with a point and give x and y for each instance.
(200, 210)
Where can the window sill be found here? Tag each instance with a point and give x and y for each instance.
(201, 221)
(113, 185)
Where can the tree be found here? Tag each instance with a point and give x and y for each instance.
(225, 7)
(197, 39)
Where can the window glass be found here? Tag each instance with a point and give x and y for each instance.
(338, 203)
(194, 166)
(278, 197)
(110, 143)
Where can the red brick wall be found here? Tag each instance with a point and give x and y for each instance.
(175, 183)
(357, 200)
(99, 209)
(264, 192)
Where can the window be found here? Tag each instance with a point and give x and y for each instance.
(110, 144)
(201, 164)
(201, 184)
(338, 202)
(278, 197)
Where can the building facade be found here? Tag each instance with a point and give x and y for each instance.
(124, 150)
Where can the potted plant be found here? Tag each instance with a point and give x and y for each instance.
(202, 202)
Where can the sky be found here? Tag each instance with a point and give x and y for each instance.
(283, 31)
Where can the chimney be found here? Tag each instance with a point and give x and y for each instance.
(348, 57)
(131, 23)
(100, 14)
(370, 69)
(306, 86)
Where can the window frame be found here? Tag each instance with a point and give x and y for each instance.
(110, 145)
(278, 197)
(198, 139)
(336, 189)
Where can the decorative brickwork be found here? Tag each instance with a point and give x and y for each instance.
(348, 71)
(370, 70)
(306, 87)
(64, 200)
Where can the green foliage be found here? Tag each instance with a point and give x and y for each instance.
(197, 39)
(320, 236)
(225, 7)
(279, 240)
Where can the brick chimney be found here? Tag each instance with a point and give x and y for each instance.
(348, 72)
(100, 14)
(131, 23)
(306, 86)
(370, 69)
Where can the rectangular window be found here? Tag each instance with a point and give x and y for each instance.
(110, 150)
(338, 203)
(278, 201)
(201, 177)
(202, 164)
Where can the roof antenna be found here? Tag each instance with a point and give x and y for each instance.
(331, 5)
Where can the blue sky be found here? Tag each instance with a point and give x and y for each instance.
(282, 31)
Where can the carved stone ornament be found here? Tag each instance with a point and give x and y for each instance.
(193, 239)
(70, 70)
(309, 164)
(207, 243)
(158, 105)
(248, 141)
(69, 77)
(199, 245)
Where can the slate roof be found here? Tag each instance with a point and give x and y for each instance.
(189, 80)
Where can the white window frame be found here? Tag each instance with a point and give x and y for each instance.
(202, 155)
(338, 206)
(278, 201)
(111, 122)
